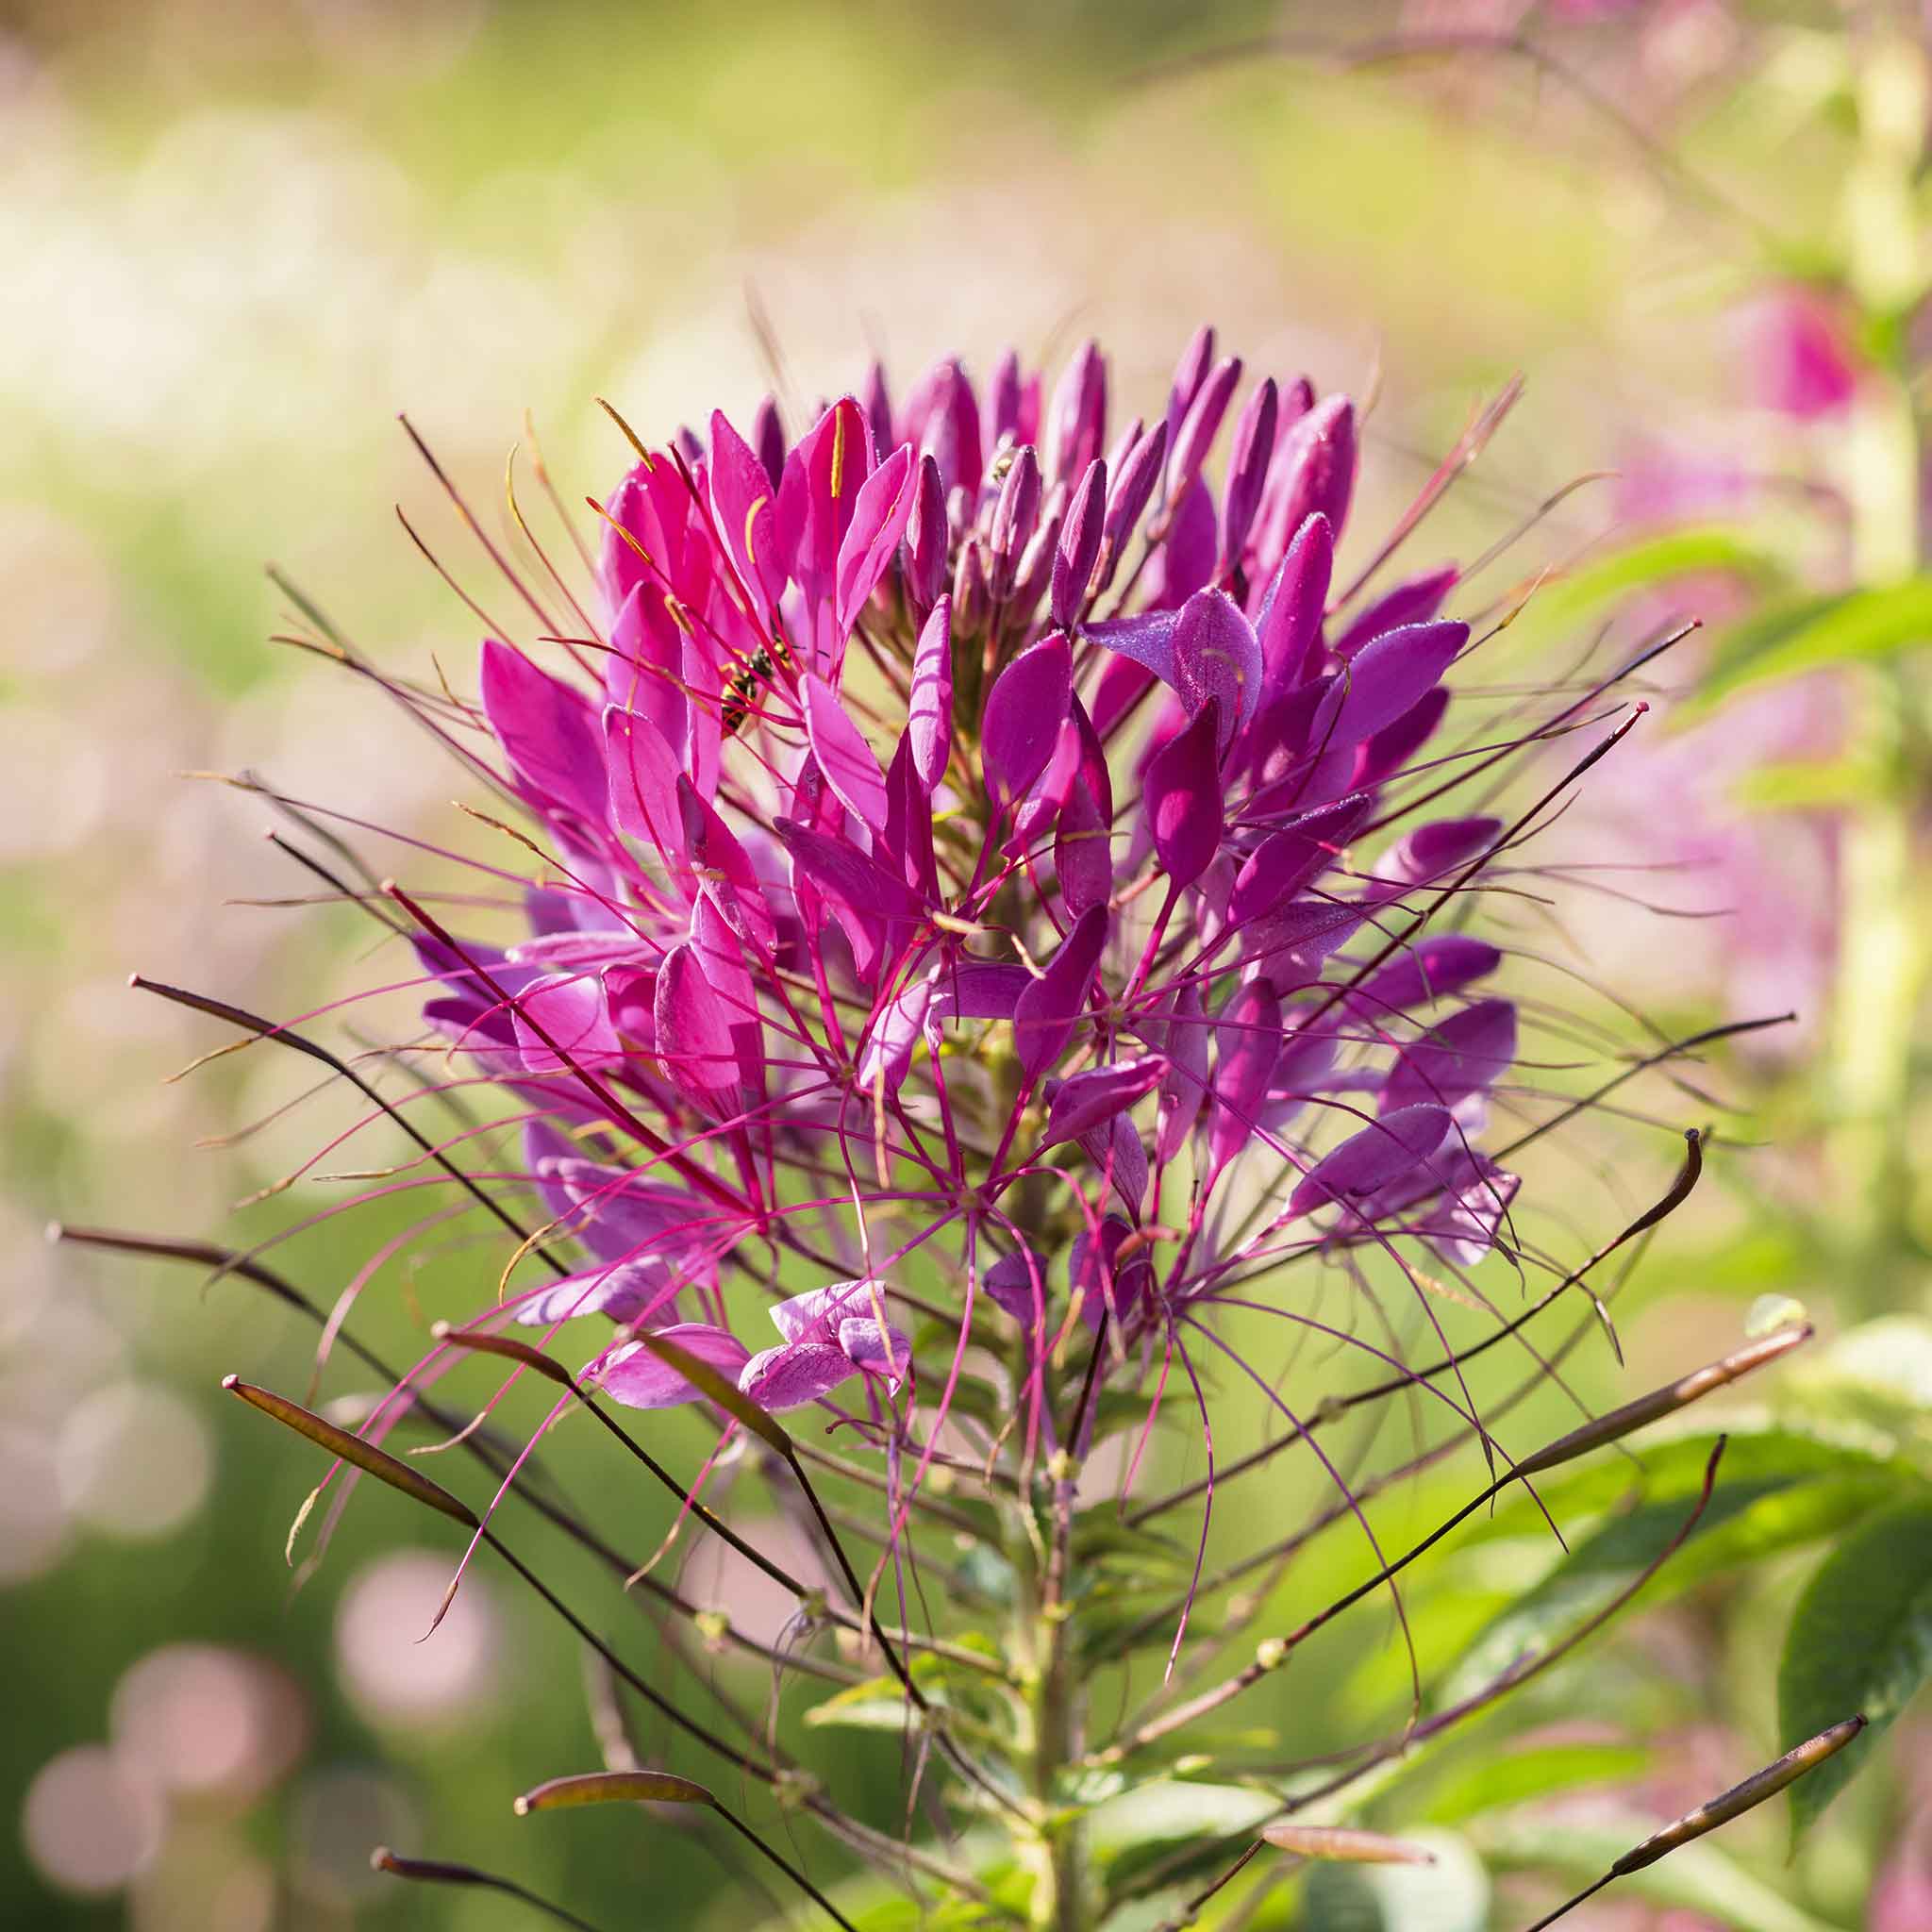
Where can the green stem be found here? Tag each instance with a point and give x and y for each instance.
(1057, 1852)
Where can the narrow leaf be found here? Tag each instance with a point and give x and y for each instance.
(612, 1788)
(352, 1449)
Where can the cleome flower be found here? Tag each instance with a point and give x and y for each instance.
(955, 818)
(1005, 907)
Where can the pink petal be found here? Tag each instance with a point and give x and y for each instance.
(636, 1377)
(564, 1022)
(843, 756)
(878, 520)
(795, 1374)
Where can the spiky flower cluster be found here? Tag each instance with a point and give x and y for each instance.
(1000, 905)
(955, 821)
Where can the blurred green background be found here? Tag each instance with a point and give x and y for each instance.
(239, 238)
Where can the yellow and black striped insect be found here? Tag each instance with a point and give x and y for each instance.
(740, 688)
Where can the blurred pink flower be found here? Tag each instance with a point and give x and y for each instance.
(1799, 356)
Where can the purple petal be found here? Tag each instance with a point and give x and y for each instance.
(642, 779)
(1083, 851)
(1049, 1009)
(815, 1314)
(1313, 472)
(1076, 418)
(1465, 1054)
(1287, 862)
(1431, 850)
(877, 911)
(745, 500)
(1391, 672)
(564, 1023)
(928, 539)
(1132, 491)
(1183, 798)
(1216, 655)
(1018, 1283)
(1289, 626)
(622, 1292)
(826, 474)
(1414, 602)
(889, 1046)
(625, 1216)
(1025, 711)
(727, 875)
(1003, 400)
(1185, 562)
(1184, 1084)
(977, 990)
(882, 1352)
(878, 406)
(1115, 1149)
(1015, 519)
(1147, 639)
(1198, 358)
(1293, 942)
(1201, 425)
(768, 437)
(1432, 969)
(943, 417)
(1078, 549)
(908, 834)
(1095, 1096)
(1247, 1041)
(1388, 750)
(1247, 470)
(1097, 1278)
(636, 1377)
(1396, 1145)
(929, 715)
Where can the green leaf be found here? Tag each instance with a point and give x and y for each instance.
(877, 1705)
(1171, 1824)
(1569, 602)
(1860, 1639)
(1878, 1374)
(1775, 1489)
(1697, 1877)
(1101, 1535)
(1495, 1784)
(1171, 1808)
(1802, 634)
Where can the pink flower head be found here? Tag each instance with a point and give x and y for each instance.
(1801, 359)
(1035, 904)
(1114, 861)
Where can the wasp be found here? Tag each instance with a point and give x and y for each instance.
(741, 688)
